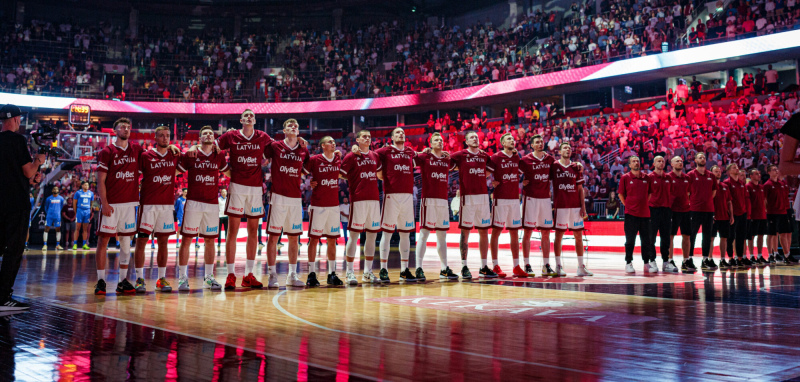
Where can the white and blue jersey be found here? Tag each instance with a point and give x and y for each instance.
(52, 208)
(179, 203)
(83, 213)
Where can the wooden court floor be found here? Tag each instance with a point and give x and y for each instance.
(725, 326)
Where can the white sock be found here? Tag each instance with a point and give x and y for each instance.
(403, 264)
(495, 263)
(422, 245)
(101, 275)
(209, 269)
(271, 270)
(441, 248)
(368, 265)
(292, 268)
(580, 261)
(139, 273)
(231, 268)
(526, 260)
(248, 268)
(369, 246)
(331, 266)
(558, 261)
(516, 262)
(384, 249)
(183, 271)
(483, 262)
(463, 263)
(162, 272)
(44, 236)
(350, 266)
(58, 237)
(312, 266)
(405, 249)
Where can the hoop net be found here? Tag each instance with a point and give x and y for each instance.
(86, 162)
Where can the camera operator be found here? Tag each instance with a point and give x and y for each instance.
(16, 170)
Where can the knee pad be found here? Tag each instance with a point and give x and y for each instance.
(142, 235)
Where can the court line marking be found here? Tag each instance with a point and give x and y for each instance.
(328, 368)
(278, 306)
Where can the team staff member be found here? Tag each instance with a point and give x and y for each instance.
(679, 184)
(660, 204)
(757, 225)
(723, 216)
(779, 227)
(702, 188)
(635, 191)
(16, 171)
(738, 195)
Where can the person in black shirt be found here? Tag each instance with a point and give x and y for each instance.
(16, 170)
(697, 88)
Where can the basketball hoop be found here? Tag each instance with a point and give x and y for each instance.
(86, 162)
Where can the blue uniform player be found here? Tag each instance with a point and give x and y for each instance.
(82, 201)
(179, 204)
(52, 207)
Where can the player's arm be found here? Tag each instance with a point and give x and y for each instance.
(101, 192)
(787, 165)
(380, 174)
(583, 202)
(730, 209)
(30, 169)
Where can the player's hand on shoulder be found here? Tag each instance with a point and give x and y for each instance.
(525, 182)
(175, 149)
(303, 142)
(313, 184)
(355, 150)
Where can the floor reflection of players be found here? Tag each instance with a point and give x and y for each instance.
(7, 349)
(109, 358)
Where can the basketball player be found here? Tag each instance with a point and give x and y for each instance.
(757, 225)
(504, 166)
(158, 167)
(434, 211)
(118, 189)
(246, 150)
(82, 200)
(537, 208)
(202, 207)
(635, 190)
(52, 206)
(361, 172)
(723, 215)
(570, 209)
(738, 195)
(397, 172)
(702, 188)
(778, 223)
(324, 211)
(474, 210)
(679, 184)
(661, 213)
(286, 203)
